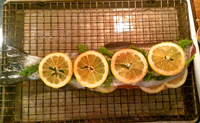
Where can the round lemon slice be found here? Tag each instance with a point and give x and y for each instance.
(166, 58)
(177, 82)
(129, 66)
(104, 89)
(91, 69)
(154, 89)
(56, 70)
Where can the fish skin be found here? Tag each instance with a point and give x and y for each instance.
(16, 61)
(11, 77)
(115, 46)
(22, 60)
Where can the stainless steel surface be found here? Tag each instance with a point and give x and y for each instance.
(40, 28)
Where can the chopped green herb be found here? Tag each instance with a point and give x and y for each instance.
(161, 77)
(62, 71)
(56, 72)
(189, 61)
(110, 76)
(184, 43)
(82, 48)
(149, 76)
(84, 67)
(54, 69)
(61, 76)
(53, 74)
(105, 51)
(109, 79)
(109, 61)
(140, 50)
(125, 66)
(29, 70)
(73, 77)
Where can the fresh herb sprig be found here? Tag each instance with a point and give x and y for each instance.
(184, 43)
(190, 60)
(82, 48)
(150, 76)
(110, 76)
(105, 51)
(109, 79)
(140, 50)
(57, 73)
(29, 70)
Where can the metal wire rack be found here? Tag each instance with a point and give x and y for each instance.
(40, 28)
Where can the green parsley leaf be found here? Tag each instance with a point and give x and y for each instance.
(105, 51)
(185, 43)
(190, 60)
(109, 79)
(82, 48)
(29, 70)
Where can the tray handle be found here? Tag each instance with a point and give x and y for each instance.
(195, 41)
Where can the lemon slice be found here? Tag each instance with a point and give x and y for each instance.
(129, 66)
(177, 82)
(154, 89)
(56, 70)
(91, 69)
(166, 58)
(104, 89)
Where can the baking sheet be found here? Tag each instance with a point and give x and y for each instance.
(61, 30)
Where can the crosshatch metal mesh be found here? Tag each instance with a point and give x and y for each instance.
(40, 28)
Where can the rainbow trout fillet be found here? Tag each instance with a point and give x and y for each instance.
(17, 60)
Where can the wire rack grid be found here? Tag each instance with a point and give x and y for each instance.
(40, 28)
